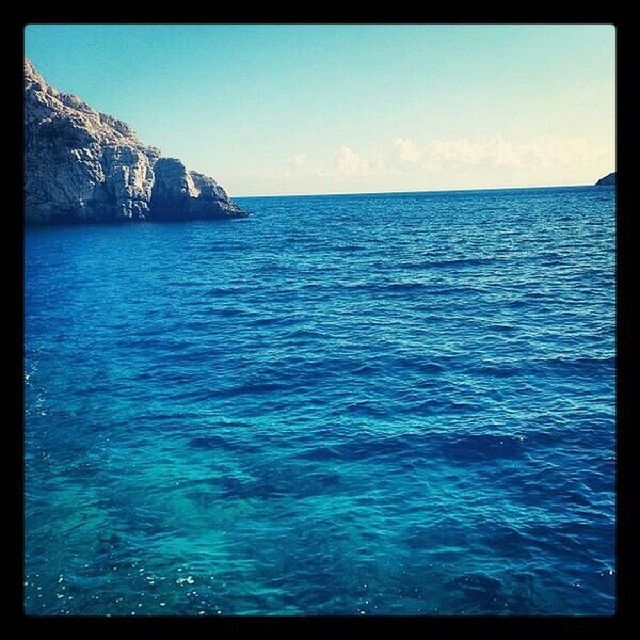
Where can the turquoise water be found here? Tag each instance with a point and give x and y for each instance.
(372, 404)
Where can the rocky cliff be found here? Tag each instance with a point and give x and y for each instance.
(85, 166)
(607, 181)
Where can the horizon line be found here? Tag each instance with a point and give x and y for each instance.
(370, 193)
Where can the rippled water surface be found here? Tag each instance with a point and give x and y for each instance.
(373, 404)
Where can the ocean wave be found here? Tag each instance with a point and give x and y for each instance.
(396, 405)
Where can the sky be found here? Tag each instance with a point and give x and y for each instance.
(301, 109)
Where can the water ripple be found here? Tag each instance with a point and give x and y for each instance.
(375, 404)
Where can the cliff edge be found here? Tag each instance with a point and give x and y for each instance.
(86, 166)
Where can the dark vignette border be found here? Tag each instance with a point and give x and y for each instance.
(627, 373)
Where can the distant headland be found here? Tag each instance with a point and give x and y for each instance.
(84, 166)
(607, 181)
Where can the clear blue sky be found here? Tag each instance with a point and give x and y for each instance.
(269, 109)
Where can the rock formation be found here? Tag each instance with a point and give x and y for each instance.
(607, 181)
(85, 166)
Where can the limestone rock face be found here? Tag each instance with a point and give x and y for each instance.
(607, 181)
(179, 194)
(85, 166)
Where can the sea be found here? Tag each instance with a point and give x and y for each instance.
(362, 405)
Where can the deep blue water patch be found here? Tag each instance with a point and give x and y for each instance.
(374, 404)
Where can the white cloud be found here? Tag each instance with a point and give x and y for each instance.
(407, 149)
(296, 165)
(535, 153)
(496, 153)
(298, 160)
(349, 163)
(402, 164)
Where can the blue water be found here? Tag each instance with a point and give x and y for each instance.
(370, 404)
